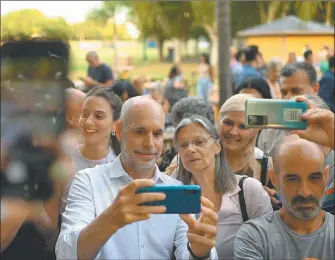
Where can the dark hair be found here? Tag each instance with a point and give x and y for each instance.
(206, 57)
(116, 105)
(307, 53)
(239, 55)
(259, 84)
(225, 179)
(189, 106)
(251, 53)
(331, 62)
(113, 100)
(121, 86)
(174, 72)
(290, 69)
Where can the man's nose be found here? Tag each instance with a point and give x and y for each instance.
(149, 141)
(304, 190)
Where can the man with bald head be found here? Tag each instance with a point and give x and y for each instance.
(104, 217)
(74, 102)
(300, 229)
(99, 73)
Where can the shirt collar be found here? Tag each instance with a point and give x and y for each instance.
(117, 171)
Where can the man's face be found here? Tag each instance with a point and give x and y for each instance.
(142, 137)
(301, 185)
(297, 84)
(91, 61)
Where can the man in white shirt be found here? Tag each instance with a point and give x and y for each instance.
(103, 219)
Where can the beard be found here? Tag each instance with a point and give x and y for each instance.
(300, 212)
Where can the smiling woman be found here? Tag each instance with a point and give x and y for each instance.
(100, 110)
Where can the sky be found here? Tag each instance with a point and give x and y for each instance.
(72, 11)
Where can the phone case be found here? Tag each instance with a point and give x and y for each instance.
(274, 113)
(181, 199)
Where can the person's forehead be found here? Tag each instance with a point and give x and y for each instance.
(300, 155)
(146, 116)
(300, 77)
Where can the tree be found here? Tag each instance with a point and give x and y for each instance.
(153, 24)
(272, 10)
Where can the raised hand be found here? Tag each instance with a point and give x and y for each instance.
(202, 233)
(126, 209)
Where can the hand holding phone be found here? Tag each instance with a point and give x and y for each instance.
(320, 124)
(180, 199)
(202, 232)
(127, 207)
(275, 113)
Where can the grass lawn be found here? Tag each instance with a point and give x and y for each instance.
(151, 68)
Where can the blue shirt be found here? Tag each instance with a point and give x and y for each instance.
(92, 191)
(248, 72)
(326, 91)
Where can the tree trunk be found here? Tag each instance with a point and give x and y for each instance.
(144, 50)
(262, 11)
(273, 8)
(329, 10)
(224, 35)
(115, 41)
(160, 50)
(214, 44)
(196, 49)
(177, 51)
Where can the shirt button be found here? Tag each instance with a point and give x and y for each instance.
(142, 246)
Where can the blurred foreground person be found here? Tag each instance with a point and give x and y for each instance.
(300, 229)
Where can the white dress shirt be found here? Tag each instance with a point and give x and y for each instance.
(92, 191)
(230, 219)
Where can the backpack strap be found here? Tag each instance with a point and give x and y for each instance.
(264, 169)
(242, 201)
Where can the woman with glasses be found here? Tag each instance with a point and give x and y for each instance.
(202, 161)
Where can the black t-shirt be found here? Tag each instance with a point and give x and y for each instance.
(101, 74)
(28, 244)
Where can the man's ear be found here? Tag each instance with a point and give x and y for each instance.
(273, 178)
(118, 130)
(316, 87)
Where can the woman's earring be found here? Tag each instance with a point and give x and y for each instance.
(113, 133)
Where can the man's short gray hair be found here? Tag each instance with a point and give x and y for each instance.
(291, 68)
(190, 106)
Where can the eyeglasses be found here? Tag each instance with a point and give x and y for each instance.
(198, 142)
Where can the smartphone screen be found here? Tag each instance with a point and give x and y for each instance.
(33, 80)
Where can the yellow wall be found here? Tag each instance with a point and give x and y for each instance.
(280, 46)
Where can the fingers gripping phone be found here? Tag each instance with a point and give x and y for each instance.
(33, 80)
(274, 113)
(181, 199)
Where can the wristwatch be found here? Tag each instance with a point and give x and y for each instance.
(197, 257)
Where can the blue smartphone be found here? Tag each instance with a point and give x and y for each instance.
(180, 199)
(274, 113)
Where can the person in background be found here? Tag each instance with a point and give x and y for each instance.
(295, 79)
(74, 99)
(257, 87)
(202, 161)
(206, 80)
(237, 66)
(300, 229)
(100, 111)
(124, 89)
(327, 85)
(99, 73)
(308, 56)
(104, 217)
(250, 66)
(156, 93)
(184, 108)
(262, 67)
(174, 89)
(292, 58)
(324, 65)
(274, 68)
(239, 142)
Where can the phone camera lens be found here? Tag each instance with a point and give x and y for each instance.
(256, 120)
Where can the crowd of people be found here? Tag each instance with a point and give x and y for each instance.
(266, 194)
